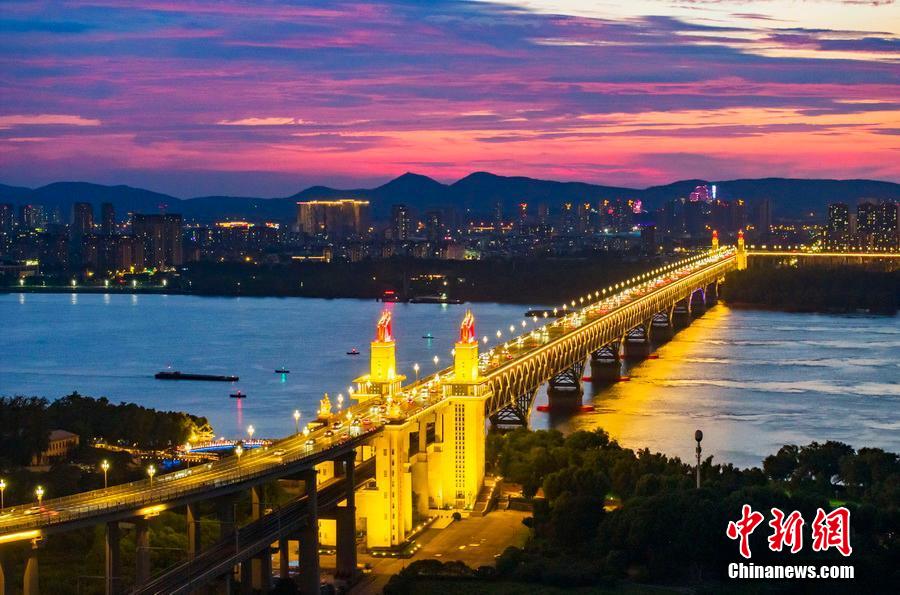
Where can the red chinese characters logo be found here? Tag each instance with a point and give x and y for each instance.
(830, 530)
(786, 531)
(743, 528)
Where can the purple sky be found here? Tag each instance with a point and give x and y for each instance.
(263, 98)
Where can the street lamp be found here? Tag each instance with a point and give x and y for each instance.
(340, 401)
(698, 436)
(105, 466)
(187, 452)
(2, 490)
(297, 420)
(238, 451)
(436, 360)
(151, 471)
(250, 431)
(39, 492)
(416, 370)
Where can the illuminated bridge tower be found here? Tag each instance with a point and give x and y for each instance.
(464, 422)
(741, 251)
(382, 379)
(715, 240)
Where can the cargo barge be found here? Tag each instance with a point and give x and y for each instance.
(182, 376)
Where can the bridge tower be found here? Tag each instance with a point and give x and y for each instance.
(741, 251)
(382, 379)
(464, 422)
(715, 240)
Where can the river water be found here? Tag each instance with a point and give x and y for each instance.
(751, 380)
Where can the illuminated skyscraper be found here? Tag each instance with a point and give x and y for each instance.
(837, 229)
(82, 218)
(161, 239)
(400, 222)
(107, 219)
(335, 219)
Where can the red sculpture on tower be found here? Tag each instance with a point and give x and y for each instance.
(467, 329)
(383, 333)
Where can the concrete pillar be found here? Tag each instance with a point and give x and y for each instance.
(113, 569)
(246, 577)
(2, 578)
(256, 505)
(31, 585)
(284, 558)
(193, 531)
(262, 571)
(141, 551)
(309, 538)
(256, 563)
(225, 515)
(346, 524)
(605, 370)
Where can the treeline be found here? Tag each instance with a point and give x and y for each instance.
(26, 423)
(521, 280)
(815, 289)
(609, 513)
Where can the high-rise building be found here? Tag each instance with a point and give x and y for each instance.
(400, 222)
(161, 239)
(82, 218)
(107, 219)
(700, 194)
(866, 224)
(763, 218)
(335, 219)
(434, 226)
(837, 228)
(885, 234)
(32, 216)
(7, 218)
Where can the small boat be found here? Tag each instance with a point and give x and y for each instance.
(428, 336)
(282, 371)
(353, 351)
(238, 395)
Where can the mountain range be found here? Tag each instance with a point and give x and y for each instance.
(478, 192)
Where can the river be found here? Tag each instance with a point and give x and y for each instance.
(751, 380)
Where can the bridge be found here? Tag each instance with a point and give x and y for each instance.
(401, 453)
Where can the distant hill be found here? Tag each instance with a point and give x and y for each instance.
(478, 192)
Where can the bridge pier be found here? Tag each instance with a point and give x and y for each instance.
(711, 295)
(698, 302)
(225, 515)
(31, 583)
(193, 530)
(246, 577)
(606, 363)
(346, 524)
(113, 567)
(309, 538)
(681, 313)
(284, 558)
(637, 341)
(141, 551)
(565, 390)
(662, 327)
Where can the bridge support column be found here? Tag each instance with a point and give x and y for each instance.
(246, 577)
(565, 390)
(284, 558)
(141, 551)
(31, 584)
(113, 567)
(712, 294)
(346, 525)
(606, 363)
(698, 302)
(2, 578)
(637, 341)
(193, 530)
(309, 538)
(258, 563)
(681, 313)
(225, 515)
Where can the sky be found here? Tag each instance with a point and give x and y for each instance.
(263, 98)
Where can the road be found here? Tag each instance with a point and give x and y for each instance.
(475, 541)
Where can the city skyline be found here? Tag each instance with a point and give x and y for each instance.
(198, 98)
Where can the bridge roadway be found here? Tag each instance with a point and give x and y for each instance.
(251, 539)
(210, 480)
(514, 371)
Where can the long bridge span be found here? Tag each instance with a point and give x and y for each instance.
(416, 449)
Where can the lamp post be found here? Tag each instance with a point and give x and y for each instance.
(39, 492)
(698, 436)
(250, 431)
(2, 490)
(297, 420)
(105, 466)
(187, 452)
(436, 360)
(238, 451)
(151, 471)
(416, 370)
